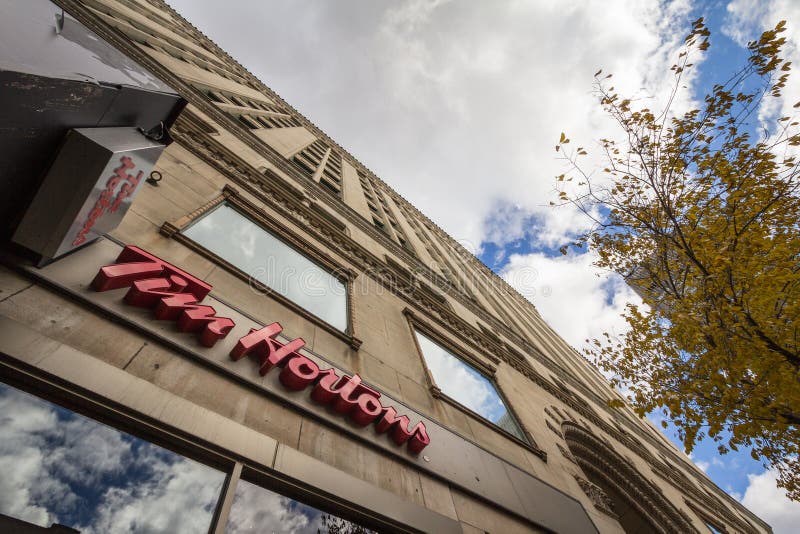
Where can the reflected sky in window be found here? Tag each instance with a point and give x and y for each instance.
(464, 384)
(256, 509)
(61, 467)
(241, 242)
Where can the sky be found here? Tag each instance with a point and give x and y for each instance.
(74, 471)
(60, 467)
(458, 106)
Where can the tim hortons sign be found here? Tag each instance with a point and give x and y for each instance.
(175, 295)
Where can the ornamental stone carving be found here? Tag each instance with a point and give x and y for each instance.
(599, 498)
(598, 461)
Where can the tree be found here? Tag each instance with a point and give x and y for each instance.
(702, 217)
(336, 525)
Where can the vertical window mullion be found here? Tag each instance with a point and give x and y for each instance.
(223, 510)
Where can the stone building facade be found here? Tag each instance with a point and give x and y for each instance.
(272, 339)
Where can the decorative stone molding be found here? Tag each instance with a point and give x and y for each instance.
(479, 362)
(702, 500)
(169, 229)
(562, 415)
(712, 520)
(566, 454)
(548, 410)
(598, 497)
(555, 431)
(596, 459)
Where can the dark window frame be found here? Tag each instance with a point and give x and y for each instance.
(246, 208)
(487, 370)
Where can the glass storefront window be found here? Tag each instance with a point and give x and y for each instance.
(59, 467)
(256, 509)
(246, 245)
(467, 386)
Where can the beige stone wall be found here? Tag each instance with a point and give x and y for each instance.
(387, 358)
(352, 193)
(287, 141)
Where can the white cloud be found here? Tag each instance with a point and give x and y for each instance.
(179, 497)
(22, 460)
(769, 502)
(508, 223)
(86, 451)
(69, 469)
(446, 100)
(577, 299)
(703, 466)
(256, 508)
(745, 21)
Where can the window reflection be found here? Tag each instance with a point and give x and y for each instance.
(256, 509)
(60, 467)
(241, 242)
(464, 384)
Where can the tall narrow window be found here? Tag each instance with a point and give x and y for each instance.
(60, 467)
(254, 251)
(467, 386)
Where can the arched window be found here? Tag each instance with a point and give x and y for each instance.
(637, 504)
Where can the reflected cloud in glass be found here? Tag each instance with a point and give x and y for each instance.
(241, 242)
(60, 467)
(464, 384)
(256, 509)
